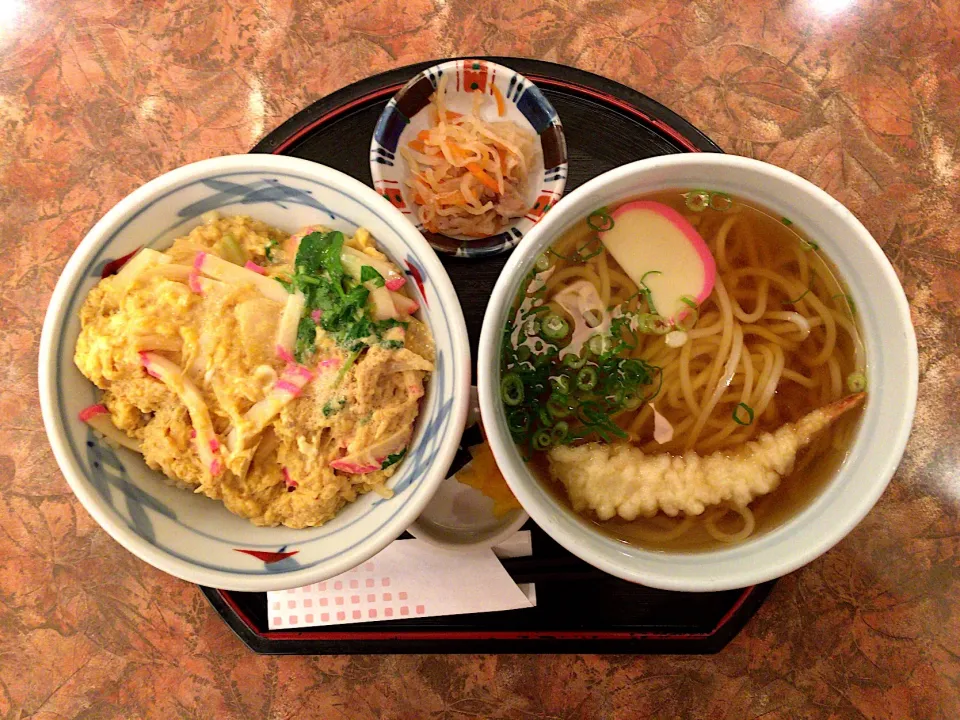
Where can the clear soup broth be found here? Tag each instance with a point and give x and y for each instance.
(774, 340)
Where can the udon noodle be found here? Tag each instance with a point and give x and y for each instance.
(776, 336)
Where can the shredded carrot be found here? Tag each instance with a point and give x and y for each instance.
(498, 96)
(458, 152)
(418, 199)
(451, 115)
(478, 173)
(416, 145)
(423, 135)
(453, 198)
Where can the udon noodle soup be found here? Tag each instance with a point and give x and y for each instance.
(665, 364)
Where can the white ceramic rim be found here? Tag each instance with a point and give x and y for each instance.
(54, 426)
(893, 399)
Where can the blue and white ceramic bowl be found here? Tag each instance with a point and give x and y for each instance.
(406, 115)
(193, 537)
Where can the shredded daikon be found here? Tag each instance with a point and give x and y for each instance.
(469, 177)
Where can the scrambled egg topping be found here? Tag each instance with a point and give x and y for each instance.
(194, 351)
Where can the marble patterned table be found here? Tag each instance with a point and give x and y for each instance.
(860, 97)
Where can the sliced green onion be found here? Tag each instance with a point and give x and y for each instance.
(535, 311)
(632, 401)
(794, 302)
(582, 253)
(511, 389)
(597, 344)
(697, 200)
(736, 414)
(518, 421)
(853, 308)
(687, 323)
(646, 290)
(572, 360)
(545, 418)
(542, 440)
(720, 201)
(543, 263)
(857, 381)
(559, 432)
(554, 327)
(587, 378)
(523, 353)
(659, 371)
(617, 396)
(600, 220)
(561, 383)
(531, 327)
(652, 324)
(634, 372)
(786, 221)
(544, 358)
(808, 245)
(558, 406)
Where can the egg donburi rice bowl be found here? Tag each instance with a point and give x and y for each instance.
(281, 374)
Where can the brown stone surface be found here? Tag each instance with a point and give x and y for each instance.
(99, 96)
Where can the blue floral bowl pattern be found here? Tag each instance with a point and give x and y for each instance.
(191, 536)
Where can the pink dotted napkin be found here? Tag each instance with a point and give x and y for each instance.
(407, 579)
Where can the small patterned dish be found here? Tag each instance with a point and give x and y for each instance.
(405, 116)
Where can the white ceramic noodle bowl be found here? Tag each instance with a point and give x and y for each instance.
(891, 358)
(191, 536)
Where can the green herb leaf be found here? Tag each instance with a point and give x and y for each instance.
(306, 339)
(393, 459)
(347, 365)
(309, 258)
(331, 256)
(269, 248)
(332, 407)
(368, 274)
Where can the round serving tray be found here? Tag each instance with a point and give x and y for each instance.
(579, 608)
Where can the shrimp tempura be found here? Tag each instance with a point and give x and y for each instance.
(619, 479)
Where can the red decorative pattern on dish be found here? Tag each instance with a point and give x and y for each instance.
(474, 73)
(267, 556)
(113, 267)
(418, 279)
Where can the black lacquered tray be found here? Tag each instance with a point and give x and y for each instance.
(579, 609)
